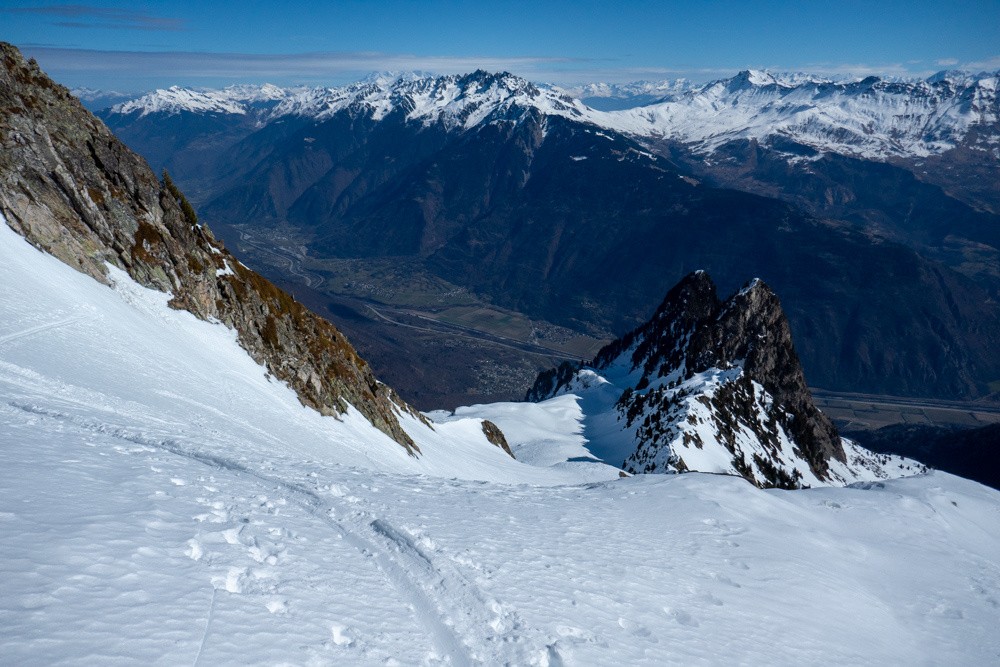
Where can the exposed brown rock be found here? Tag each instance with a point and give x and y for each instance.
(496, 436)
(73, 190)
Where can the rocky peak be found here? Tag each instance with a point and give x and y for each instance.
(703, 374)
(653, 344)
(73, 190)
(751, 328)
(504, 81)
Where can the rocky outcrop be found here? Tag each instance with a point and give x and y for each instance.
(495, 435)
(73, 190)
(703, 374)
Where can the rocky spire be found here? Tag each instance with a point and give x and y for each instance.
(703, 373)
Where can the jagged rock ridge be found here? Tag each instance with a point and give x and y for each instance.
(73, 190)
(715, 386)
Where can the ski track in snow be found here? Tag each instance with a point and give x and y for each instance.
(466, 626)
(27, 333)
(208, 627)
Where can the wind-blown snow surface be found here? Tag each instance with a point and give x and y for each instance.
(162, 501)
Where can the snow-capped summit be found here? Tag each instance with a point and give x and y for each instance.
(751, 77)
(872, 118)
(456, 101)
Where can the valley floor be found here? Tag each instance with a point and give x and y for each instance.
(162, 501)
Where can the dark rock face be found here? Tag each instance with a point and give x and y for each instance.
(889, 200)
(752, 326)
(72, 189)
(762, 395)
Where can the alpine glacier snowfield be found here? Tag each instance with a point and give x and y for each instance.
(162, 501)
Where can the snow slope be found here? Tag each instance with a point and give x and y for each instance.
(160, 375)
(162, 501)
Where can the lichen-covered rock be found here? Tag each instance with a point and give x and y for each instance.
(73, 190)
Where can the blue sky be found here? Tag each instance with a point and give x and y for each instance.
(139, 45)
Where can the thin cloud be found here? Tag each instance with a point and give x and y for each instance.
(86, 16)
(989, 64)
(859, 69)
(324, 67)
(143, 70)
(946, 62)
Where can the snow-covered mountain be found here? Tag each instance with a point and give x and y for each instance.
(446, 170)
(171, 493)
(239, 99)
(457, 101)
(871, 118)
(715, 387)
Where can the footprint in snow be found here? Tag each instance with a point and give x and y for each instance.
(682, 617)
(574, 634)
(737, 564)
(194, 550)
(242, 580)
(723, 579)
(267, 554)
(633, 628)
(341, 636)
(277, 606)
(708, 598)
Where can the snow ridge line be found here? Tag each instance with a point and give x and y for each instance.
(450, 606)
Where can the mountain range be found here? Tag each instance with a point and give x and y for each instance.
(485, 181)
(871, 118)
